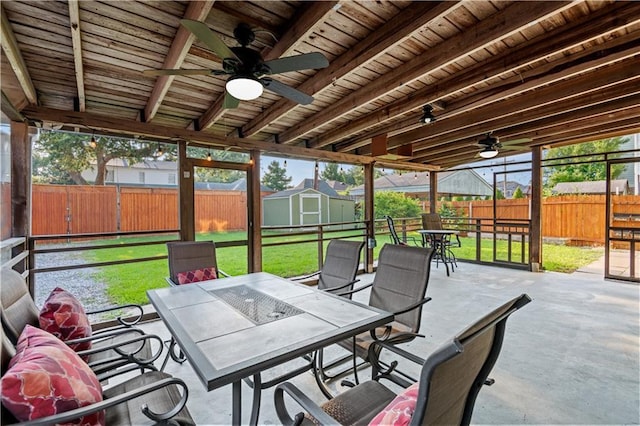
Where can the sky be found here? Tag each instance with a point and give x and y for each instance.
(302, 169)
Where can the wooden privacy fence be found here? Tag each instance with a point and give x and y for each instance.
(579, 219)
(77, 209)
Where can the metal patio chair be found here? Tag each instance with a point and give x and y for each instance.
(187, 256)
(340, 267)
(449, 383)
(112, 348)
(399, 286)
(394, 235)
(150, 398)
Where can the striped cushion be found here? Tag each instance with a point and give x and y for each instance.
(197, 275)
(46, 377)
(63, 316)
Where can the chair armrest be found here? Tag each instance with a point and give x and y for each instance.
(412, 307)
(125, 322)
(394, 348)
(355, 290)
(338, 287)
(304, 277)
(223, 273)
(129, 355)
(104, 335)
(171, 282)
(119, 399)
(304, 401)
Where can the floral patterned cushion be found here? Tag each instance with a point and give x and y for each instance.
(63, 316)
(400, 410)
(46, 377)
(197, 275)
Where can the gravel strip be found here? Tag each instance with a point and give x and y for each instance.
(79, 282)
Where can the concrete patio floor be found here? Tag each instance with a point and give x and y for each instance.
(569, 357)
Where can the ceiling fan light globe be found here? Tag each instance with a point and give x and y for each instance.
(244, 88)
(488, 152)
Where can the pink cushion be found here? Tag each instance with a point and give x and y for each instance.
(63, 316)
(197, 275)
(400, 410)
(46, 377)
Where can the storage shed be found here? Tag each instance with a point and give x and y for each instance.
(304, 205)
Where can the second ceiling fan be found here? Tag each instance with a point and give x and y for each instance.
(491, 145)
(248, 72)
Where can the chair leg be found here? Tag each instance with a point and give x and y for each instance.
(171, 353)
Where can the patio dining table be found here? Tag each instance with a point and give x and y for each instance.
(234, 328)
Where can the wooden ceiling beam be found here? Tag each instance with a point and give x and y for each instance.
(493, 69)
(563, 38)
(197, 11)
(595, 87)
(500, 25)
(620, 109)
(391, 33)
(154, 131)
(76, 41)
(12, 52)
(302, 24)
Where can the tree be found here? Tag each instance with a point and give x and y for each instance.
(332, 172)
(584, 171)
(354, 175)
(62, 157)
(395, 204)
(518, 193)
(276, 177)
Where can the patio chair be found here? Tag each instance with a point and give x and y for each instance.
(186, 256)
(394, 235)
(449, 383)
(110, 348)
(150, 398)
(399, 286)
(340, 267)
(189, 261)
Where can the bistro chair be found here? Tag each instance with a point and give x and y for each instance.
(394, 235)
(450, 380)
(74, 393)
(340, 267)
(399, 286)
(434, 221)
(110, 348)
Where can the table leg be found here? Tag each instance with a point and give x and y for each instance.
(257, 392)
(236, 410)
(443, 255)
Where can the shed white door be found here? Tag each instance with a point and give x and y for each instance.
(310, 209)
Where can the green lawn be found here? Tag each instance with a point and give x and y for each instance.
(129, 282)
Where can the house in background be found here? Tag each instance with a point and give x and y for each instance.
(450, 184)
(618, 187)
(144, 173)
(304, 205)
(509, 187)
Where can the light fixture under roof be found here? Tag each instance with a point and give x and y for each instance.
(488, 152)
(427, 116)
(245, 88)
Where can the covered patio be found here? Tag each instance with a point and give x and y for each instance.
(416, 86)
(569, 357)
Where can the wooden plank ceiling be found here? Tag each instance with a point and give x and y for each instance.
(544, 73)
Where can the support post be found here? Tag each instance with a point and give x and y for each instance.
(535, 235)
(20, 186)
(186, 196)
(369, 216)
(433, 192)
(254, 204)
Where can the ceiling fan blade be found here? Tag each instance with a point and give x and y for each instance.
(286, 91)
(229, 101)
(154, 73)
(299, 62)
(208, 37)
(516, 141)
(515, 148)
